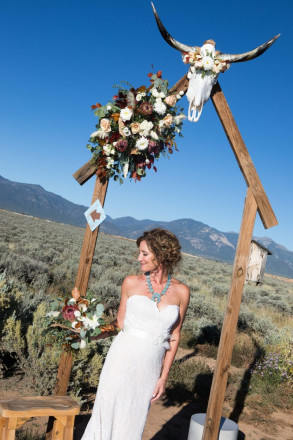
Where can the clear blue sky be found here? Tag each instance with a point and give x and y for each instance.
(58, 57)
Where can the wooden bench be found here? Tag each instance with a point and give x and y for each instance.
(15, 411)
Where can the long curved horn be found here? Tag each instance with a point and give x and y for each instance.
(247, 55)
(170, 40)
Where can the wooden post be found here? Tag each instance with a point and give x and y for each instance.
(89, 242)
(63, 374)
(217, 395)
(243, 158)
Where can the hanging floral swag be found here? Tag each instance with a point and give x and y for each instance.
(134, 129)
(75, 322)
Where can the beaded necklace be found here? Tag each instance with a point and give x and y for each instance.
(155, 295)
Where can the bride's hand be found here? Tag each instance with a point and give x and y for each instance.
(159, 389)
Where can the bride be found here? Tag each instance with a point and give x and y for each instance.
(151, 312)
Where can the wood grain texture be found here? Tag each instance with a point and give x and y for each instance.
(243, 158)
(26, 407)
(180, 86)
(63, 374)
(89, 242)
(217, 395)
(14, 412)
(85, 172)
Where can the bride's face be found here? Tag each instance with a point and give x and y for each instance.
(146, 258)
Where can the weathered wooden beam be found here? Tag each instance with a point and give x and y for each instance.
(217, 394)
(243, 158)
(85, 172)
(89, 242)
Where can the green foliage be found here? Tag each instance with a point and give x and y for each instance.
(38, 263)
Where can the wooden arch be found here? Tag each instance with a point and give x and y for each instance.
(256, 200)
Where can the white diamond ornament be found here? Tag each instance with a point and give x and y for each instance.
(95, 215)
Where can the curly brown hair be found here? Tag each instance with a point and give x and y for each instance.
(164, 245)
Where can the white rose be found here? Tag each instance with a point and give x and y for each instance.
(126, 114)
(145, 127)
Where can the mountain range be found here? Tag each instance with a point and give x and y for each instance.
(195, 237)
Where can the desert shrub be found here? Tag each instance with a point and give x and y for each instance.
(36, 357)
(186, 372)
(220, 290)
(250, 322)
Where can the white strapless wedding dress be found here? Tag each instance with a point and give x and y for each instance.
(130, 372)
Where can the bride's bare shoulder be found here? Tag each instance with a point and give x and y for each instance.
(132, 281)
(181, 288)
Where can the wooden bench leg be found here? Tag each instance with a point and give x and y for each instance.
(8, 432)
(68, 430)
(3, 423)
(63, 428)
(58, 429)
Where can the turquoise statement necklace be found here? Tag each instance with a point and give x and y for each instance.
(155, 295)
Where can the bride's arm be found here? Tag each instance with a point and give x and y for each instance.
(174, 343)
(116, 325)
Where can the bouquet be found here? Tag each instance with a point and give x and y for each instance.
(135, 128)
(76, 321)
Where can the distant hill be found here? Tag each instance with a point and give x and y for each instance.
(35, 200)
(195, 237)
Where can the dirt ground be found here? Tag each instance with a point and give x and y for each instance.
(169, 418)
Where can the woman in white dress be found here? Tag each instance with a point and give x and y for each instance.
(151, 312)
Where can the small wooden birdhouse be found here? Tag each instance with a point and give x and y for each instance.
(256, 262)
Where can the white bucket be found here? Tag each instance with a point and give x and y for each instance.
(228, 428)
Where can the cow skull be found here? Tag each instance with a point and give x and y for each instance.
(205, 65)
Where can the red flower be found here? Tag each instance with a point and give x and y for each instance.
(68, 312)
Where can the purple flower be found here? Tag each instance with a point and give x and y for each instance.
(121, 145)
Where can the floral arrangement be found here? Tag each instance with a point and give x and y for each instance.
(76, 321)
(135, 128)
(205, 61)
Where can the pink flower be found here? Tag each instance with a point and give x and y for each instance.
(105, 125)
(68, 312)
(171, 100)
